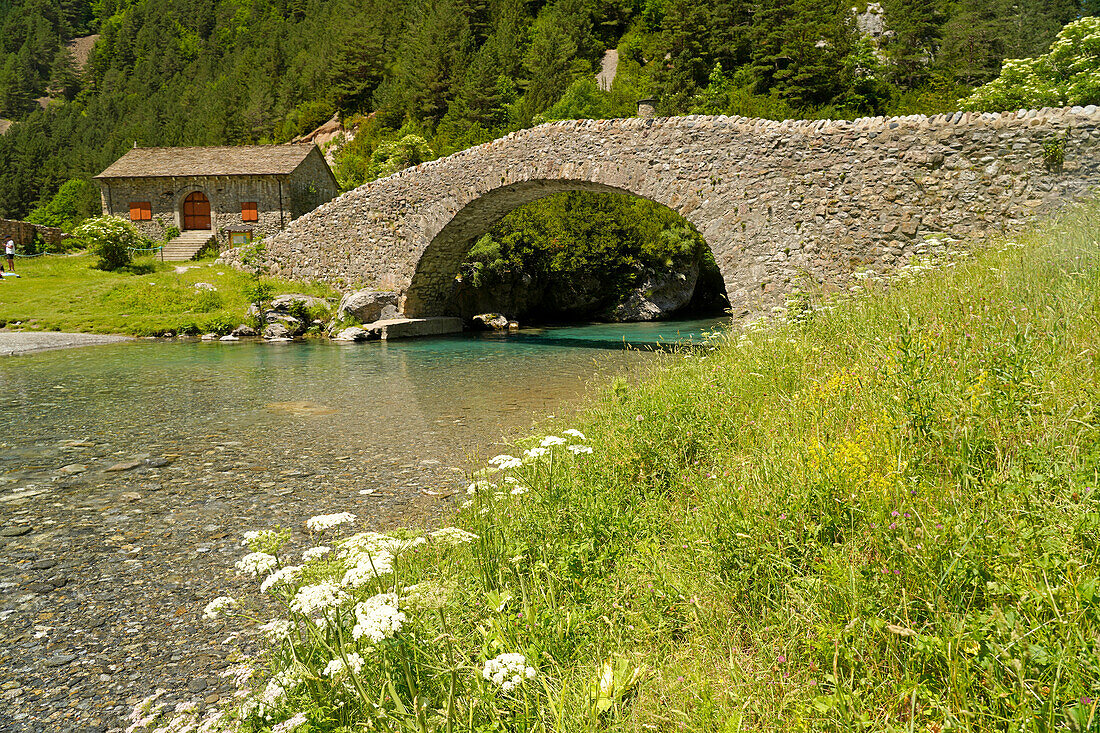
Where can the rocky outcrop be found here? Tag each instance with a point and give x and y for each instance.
(367, 306)
(285, 303)
(243, 331)
(660, 295)
(288, 316)
(489, 322)
(352, 333)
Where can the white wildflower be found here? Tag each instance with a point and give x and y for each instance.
(291, 724)
(505, 461)
(368, 566)
(378, 618)
(534, 453)
(519, 490)
(282, 576)
(479, 485)
(337, 666)
(311, 598)
(257, 564)
(321, 522)
(276, 629)
(315, 553)
(213, 722)
(573, 433)
(552, 440)
(259, 536)
(241, 674)
(453, 536)
(366, 542)
(424, 595)
(507, 671)
(579, 449)
(217, 607)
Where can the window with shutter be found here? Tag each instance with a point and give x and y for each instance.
(140, 211)
(249, 211)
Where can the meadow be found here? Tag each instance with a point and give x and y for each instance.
(877, 511)
(149, 298)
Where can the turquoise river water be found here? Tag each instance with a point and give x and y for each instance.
(366, 416)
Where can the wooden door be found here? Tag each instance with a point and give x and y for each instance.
(196, 211)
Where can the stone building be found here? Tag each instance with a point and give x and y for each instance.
(236, 193)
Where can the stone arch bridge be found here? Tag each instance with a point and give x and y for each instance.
(777, 202)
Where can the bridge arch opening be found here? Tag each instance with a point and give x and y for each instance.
(585, 251)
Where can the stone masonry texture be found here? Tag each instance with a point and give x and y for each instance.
(779, 203)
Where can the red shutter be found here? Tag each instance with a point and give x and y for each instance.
(249, 211)
(140, 211)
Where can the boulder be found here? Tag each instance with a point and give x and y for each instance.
(367, 306)
(283, 303)
(352, 333)
(276, 330)
(659, 295)
(290, 324)
(243, 330)
(490, 322)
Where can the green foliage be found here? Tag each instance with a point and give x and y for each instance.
(76, 200)
(1054, 153)
(392, 156)
(110, 240)
(579, 242)
(1068, 75)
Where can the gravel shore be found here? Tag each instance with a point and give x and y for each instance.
(105, 569)
(13, 343)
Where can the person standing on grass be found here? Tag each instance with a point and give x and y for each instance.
(9, 252)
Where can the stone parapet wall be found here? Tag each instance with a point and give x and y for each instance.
(778, 202)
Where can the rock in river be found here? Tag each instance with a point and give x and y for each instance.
(367, 306)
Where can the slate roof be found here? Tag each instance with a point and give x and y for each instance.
(232, 160)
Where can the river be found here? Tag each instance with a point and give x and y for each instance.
(128, 473)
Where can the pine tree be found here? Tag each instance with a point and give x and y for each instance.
(974, 39)
(64, 81)
(431, 57)
(912, 47)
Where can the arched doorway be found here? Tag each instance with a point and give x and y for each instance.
(196, 211)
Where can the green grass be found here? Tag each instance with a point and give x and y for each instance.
(883, 517)
(66, 293)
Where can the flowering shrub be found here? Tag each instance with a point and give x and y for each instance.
(110, 239)
(1068, 75)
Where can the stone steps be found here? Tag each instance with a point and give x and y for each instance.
(185, 246)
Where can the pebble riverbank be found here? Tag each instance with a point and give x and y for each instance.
(14, 343)
(105, 571)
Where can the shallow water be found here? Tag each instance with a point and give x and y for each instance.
(371, 415)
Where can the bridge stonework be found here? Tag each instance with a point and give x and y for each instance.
(777, 202)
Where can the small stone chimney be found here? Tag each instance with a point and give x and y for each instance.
(647, 108)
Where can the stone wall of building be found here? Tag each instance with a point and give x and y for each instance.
(311, 184)
(225, 193)
(776, 201)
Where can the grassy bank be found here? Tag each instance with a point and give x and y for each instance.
(67, 293)
(881, 516)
